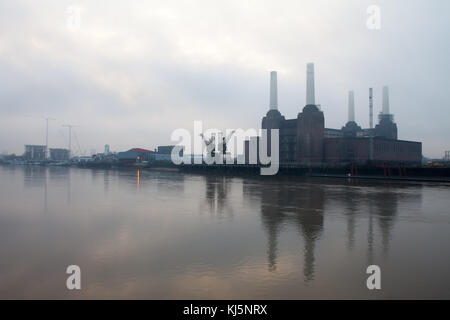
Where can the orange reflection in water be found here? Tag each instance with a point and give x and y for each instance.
(138, 180)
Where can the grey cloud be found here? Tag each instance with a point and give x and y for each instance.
(134, 72)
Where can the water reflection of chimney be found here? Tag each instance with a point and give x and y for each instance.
(370, 238)
(386, 212)
(351, 209)
(276, 210)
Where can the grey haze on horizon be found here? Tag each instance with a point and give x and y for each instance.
(135, 71)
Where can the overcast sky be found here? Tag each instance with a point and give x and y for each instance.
(133, 71)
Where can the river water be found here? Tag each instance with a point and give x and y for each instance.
(162, 234)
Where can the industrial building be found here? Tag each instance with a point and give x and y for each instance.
(305, 140)
(136, 155)
(34, 152)
(58, 154)
(164, 153)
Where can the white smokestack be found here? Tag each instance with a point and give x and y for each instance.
(385, 100)
(273, 91)
(310, 96)
(351, 106)
(371, 108)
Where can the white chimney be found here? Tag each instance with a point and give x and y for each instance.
(273, 91)
(385, 100)
(310, 97)
(371, 108)
(351, 106)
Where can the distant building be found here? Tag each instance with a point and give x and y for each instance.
(82, 159)
(34, 152)
(136, 155)
(165, 149)
(57, 154)
(164, 152)
(106, 149)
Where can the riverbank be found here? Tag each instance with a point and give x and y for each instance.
(354, 172)
(424, 174)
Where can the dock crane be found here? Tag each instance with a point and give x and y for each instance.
(70, 126)
(208, 142)
(222, 144)
(46, 136)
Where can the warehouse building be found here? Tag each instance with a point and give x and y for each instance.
(164, 153)
(136, 155)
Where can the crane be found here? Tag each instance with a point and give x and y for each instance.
(209, 142)
(46, 136)
(223, 145)
(70, 126)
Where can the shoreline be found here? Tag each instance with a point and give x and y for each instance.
(367, 173)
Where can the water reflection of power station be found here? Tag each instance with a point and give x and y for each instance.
(304, 206)
(369, 217)
(306, 140)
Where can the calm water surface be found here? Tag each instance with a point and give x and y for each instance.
(163, 234)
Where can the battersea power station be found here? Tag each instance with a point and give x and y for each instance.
(305, 140)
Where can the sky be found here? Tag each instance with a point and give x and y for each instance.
(128, 73)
